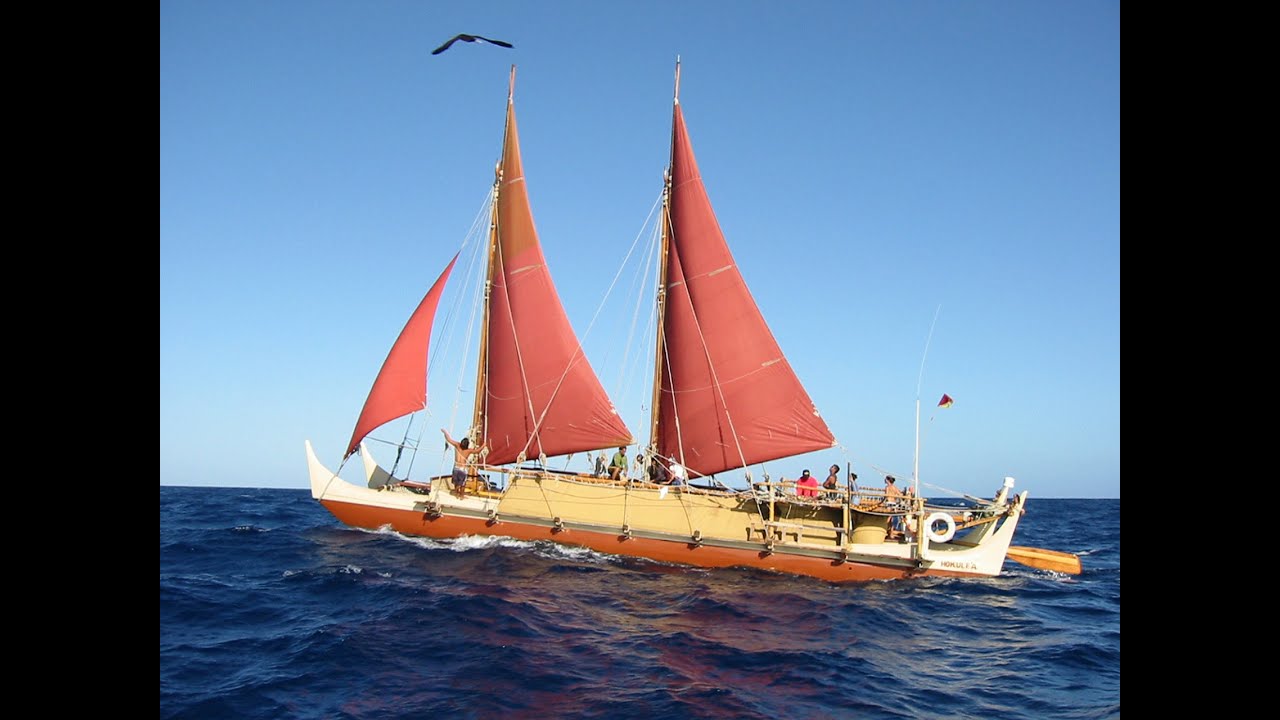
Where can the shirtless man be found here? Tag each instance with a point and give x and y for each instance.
(893, 500)
(832, 483)
(892, 494)
(462, 452)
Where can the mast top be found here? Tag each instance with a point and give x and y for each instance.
(676, 100)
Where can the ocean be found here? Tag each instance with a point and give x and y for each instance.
(270, 609)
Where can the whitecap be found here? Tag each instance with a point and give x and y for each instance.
(556, 551)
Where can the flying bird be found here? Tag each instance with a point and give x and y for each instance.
(469, 38)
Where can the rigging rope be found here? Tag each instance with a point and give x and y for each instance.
(642, 287)
(715, 379)
(439, 350)
(478, 226)
(578, 353)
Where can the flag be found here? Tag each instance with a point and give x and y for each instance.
(946, 401)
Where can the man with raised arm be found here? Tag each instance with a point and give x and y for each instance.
(462, 452)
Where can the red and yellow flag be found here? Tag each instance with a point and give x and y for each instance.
(946, 401)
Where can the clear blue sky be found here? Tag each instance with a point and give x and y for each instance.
(868, 161)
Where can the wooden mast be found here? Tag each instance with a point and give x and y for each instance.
(479, 430)
(664, 256)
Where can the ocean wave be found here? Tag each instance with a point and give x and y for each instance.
(257, 625)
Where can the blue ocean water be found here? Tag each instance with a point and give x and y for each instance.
(271, 608)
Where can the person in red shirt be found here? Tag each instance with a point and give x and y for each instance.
(807, 485)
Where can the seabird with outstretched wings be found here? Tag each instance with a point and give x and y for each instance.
(469, 38)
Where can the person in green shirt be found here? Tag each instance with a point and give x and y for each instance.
(618, 465)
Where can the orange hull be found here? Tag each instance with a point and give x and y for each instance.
(445, 526)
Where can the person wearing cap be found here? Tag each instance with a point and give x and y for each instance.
(675, 472)
(807, 485)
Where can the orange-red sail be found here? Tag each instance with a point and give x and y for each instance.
(401, 385)
(539, 393)
(728, 397)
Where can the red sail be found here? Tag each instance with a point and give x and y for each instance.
(401, 385)
(728, 396)
(542, 395)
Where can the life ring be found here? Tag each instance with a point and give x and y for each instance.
(946, 535)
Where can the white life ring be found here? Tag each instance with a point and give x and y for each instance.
(946, 535)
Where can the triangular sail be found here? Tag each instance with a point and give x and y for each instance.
(539, 394)
(728, 397)
(401, 385)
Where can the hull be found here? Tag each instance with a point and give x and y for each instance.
(701, 528)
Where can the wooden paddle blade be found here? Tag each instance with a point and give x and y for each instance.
(1046, 559)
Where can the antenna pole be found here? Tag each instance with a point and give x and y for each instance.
(676, 93)
(915, 465)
